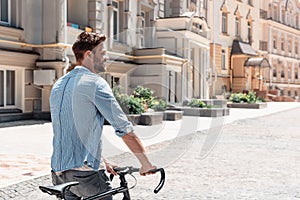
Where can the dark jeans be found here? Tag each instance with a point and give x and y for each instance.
(90, 183)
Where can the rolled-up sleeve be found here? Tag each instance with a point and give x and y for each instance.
(110, 109)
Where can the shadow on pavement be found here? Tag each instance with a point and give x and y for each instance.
(22, 123)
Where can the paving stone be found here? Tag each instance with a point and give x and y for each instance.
(253, 159)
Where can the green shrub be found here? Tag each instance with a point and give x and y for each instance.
(251, 97)
(245, 98)
(196, 103)
(141, 99)
(145, 94)
(130, 104)
(238, 98)
(158, 104)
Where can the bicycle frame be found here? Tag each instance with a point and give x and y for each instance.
(122, 189)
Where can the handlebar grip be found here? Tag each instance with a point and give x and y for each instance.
(162, 179)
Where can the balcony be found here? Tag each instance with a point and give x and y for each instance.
(10, 33)
(189, 23)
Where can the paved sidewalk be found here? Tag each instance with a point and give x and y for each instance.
(25, 150)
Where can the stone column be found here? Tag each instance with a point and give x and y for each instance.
(96, 15)
(270, 49)
(109, 26)
(138, 23)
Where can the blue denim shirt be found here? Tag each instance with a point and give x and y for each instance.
(79, 102)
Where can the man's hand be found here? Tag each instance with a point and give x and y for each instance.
(110, 167)
(147, 170)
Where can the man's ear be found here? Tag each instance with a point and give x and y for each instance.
(87, 53)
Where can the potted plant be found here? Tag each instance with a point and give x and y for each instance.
(132, 107)
(243, 100)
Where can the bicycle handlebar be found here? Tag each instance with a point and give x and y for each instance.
(130, 170)
(162, 179)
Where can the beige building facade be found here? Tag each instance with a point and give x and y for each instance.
(279, 42)
(234, 31)
(36, 37)
(181, 49)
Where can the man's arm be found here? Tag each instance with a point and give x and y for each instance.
(136, 147)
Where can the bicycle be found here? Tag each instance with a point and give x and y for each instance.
(59, 190)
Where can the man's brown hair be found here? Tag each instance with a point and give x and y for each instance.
(86, 41)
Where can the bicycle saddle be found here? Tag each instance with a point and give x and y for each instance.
(57, 190)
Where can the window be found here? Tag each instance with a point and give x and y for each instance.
(296, 48)
(115, 81)
(250, 2)
(274, 43)
(296, 75)
(142, 27)
(249, 32)
(115, 20)
(237, 26)
(289, 93)
(1, 88)
(289, 74)
(282, 73)
(4, 11)
(263, 45)
(223, 57)
(205, 4)
(296, 93)
(224, 22)
(274, 73)
(263, 14)
(282, 44)
(192, 5)
(7, 88)
(290, 46)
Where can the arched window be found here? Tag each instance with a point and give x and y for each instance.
(224, 18)
(275, 42)
(224, 22)
(290, 46)
(237, 26)
(282, 73)
(237, 22)
(274, 72)
(223, 59)
(249, 27)
(282, 44)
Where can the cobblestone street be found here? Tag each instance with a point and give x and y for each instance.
(256, 158)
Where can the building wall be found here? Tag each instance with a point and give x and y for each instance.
(222, 41)
(32, 23)
(281, 35)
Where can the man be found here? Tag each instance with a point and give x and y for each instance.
(79, 102)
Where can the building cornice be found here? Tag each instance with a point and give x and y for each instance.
(282, 27)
